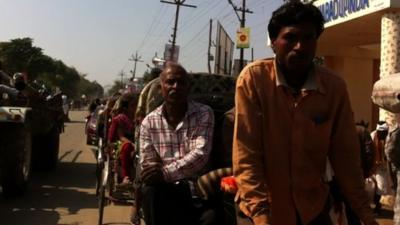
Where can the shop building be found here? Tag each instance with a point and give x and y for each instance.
(361, 42)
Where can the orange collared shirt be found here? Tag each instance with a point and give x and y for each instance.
(281, 144)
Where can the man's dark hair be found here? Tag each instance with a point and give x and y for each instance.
(293, 13)
(178, 66)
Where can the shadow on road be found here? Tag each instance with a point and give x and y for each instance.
(29, 216)
(67, 190)
(65, 154)
(67, 175)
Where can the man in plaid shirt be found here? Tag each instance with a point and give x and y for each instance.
(175, 143)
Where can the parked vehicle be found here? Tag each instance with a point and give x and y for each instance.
(47, 125)
(30, 134)
(15, 148)
(92, 137)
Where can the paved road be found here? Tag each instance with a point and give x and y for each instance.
(65, 196)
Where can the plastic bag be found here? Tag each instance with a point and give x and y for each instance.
(386, 93)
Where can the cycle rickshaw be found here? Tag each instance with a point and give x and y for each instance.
(110, 185)
(215, 90)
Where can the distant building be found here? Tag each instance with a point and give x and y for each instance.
(223, 52)
(361, 42)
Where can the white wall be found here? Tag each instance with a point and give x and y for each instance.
(358, 75)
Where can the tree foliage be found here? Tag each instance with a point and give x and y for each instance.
(116, 87)
(147, 77)
(19, 55)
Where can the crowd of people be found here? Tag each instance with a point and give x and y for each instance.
(297, 154)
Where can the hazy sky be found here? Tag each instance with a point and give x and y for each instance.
(98, 37)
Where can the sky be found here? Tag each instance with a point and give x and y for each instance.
(99, 37)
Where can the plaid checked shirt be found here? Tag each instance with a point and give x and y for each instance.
(184, 150)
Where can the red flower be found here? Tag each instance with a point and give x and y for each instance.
(228, 184)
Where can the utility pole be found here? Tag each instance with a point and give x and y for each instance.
(209, 48)
(252, 54)
(242, 20)
(136, 59)
(178, 4)
(122, 74)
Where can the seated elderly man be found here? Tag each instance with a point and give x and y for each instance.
(175, 143)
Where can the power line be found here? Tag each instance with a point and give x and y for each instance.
(163, 31)
(197, 56)
(155, 23)
(178, 4)
(197, 35)
(201, 13)
(201, 43)
(255, 2)
(151, 26)
(222, 18)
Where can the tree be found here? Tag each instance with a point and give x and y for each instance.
(19, 55)
(116, 87)
(148, 76)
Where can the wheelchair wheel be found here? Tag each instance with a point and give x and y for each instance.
(98, 180)
(103, 183)
(99, 176)
(100, 158)
(102, 200)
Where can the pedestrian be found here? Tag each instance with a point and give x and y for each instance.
(175, 143)
(104, 118)
(292, 118)
(367, 149)
(381, 172)
(392, 150)
(93, 105)
(367, 154)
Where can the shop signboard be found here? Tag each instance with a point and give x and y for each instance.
(243, 37)
(169, 55)
(339, 11)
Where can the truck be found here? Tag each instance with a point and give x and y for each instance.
(29, 136)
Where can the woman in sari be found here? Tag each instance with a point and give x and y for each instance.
(122, 129)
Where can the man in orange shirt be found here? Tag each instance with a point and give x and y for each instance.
(291, 117)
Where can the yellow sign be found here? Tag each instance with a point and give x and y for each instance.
(243, 37)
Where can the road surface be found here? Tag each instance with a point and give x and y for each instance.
(65, 196)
